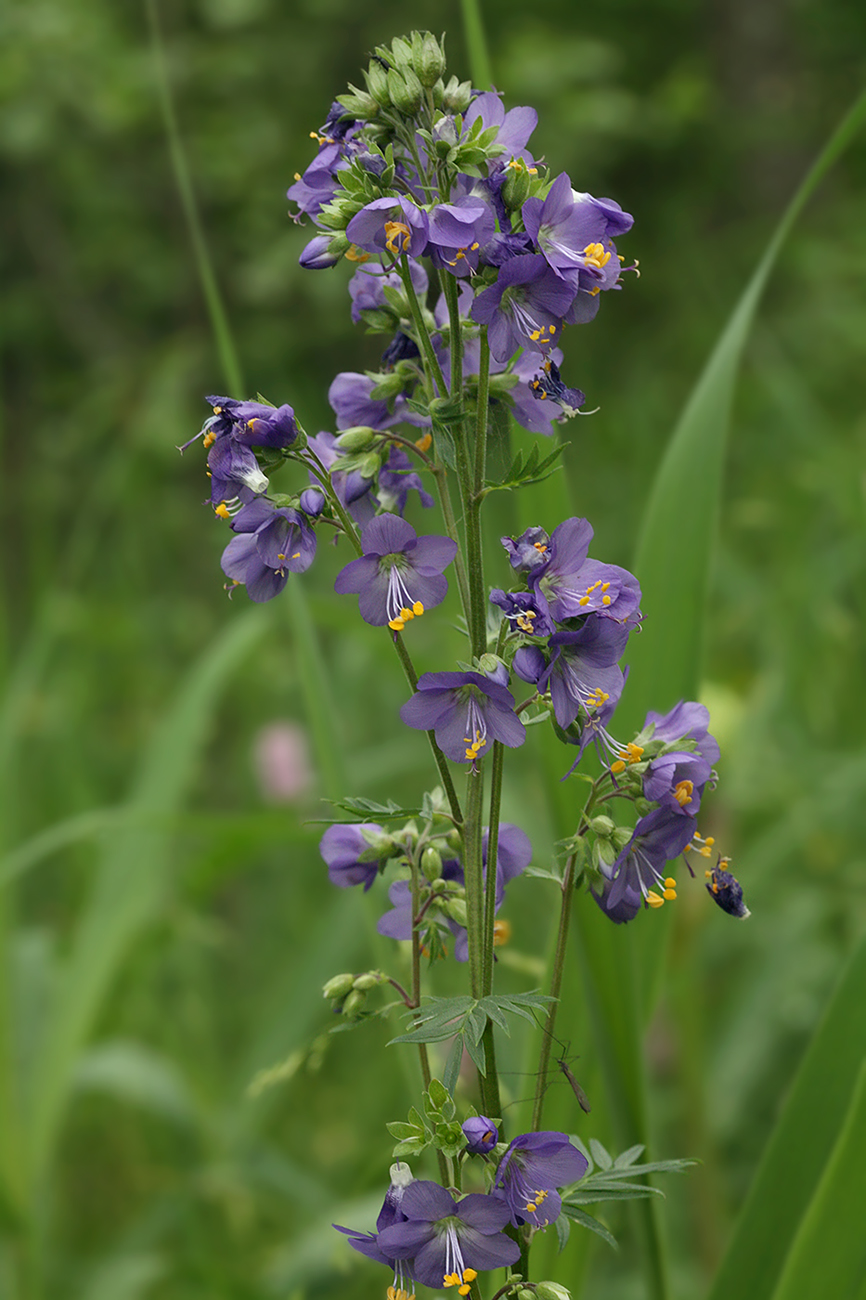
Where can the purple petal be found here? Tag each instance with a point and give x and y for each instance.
(432, 553)
(426, 708)
(387, 535)
(428, 1201)
(356, 575)
(485, 1213)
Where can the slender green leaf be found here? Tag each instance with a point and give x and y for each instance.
(828, 1254)
(800, 1145)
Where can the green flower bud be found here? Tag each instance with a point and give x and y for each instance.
(516, 186)
(354, 1004)
(431, 863)
(551, 1291)
(456, 909)
(603, 852)
(401, 53)
(358, 438)
(454, 840)
(428, 58)
(488, 663)
(439, 886)
(359, 103)
(405, 90)
(338, 986)
(456, 96)
(621, 837)
(377, 83)
(368, 980)
(602, 825)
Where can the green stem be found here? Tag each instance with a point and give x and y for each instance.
(439, 758)
(555, 991)
(473, 872)
(218, 318)
(497, 765)
(476, 44)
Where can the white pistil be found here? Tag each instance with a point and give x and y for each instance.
(399, 604)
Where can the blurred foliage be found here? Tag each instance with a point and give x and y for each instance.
(167, 1179)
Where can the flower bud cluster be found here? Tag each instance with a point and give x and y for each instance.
(348, 993)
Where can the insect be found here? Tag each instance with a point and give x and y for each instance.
(582, 1099)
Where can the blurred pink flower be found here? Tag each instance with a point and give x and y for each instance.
(282, 762)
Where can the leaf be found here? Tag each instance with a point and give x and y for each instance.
(563, 1232)
(451, 1072)
(796, 1155)
(369, 807)
(526, 470)
(600, 1155)
(828, 1254)
(587, 1221)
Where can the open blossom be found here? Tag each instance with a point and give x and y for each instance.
(467, 711)
(571, 583)
(524, 308)
(271, 543)
(531, 1170)
(638, 874)
(348, 851)
(583, 673)
(399, 575)
(449, 1242)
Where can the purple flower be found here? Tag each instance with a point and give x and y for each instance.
(633, 878)
(367, 1243)
(315, 255)
(533, 1167)
(549, 386)
(349, 396)
(583, 672)
(390, 225)
(574, 585)
(352, 489)
(350, 856)
(457, 233)
(448, 1241)
(524, 308)
(466, 711)
(524, 612)
(481, 1135)
(528, 553)
(724, 889)
(397, 479)
(399, 575)
(514, 127)
(572, 233)
(259, 425)
(272, 543)
(686, 721)
(676, 779)
(233, 470)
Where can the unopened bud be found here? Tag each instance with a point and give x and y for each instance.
(338, 986)
(604, 853)
(516, 186)
(431, 863)
(369, 465)
(358, 438)
(602, 825)
(456, 909)
(377, 83)
(368, 980)
(428, 59)
(401, 53)
(405, 90)
(354, 1004)
(454, 840)
(621, 836)
(358, 103)
(456, 96)
(551, 1291)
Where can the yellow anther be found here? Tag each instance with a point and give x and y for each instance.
(393, 232)
(593, 292)
(596, 256)
(464, 1289)
(396, 624)
(604, 586)
(297, 176)
(653, 899)
(425, 442)
(531, 1206)
(541, 547)
(222, 510)
(605, 600)
(280, 556)
(584, 600)
(354, 254)
(406, 614)
(297, 555)
(670, 895)
(670, 883)
(617, 767)
(209, 439)
(217, 410)
(524, 621)
(683, 791)
(710, 841)
(418, 609)
(469, 1274)
(501, 932)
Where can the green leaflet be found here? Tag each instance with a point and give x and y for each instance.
(813, 1160)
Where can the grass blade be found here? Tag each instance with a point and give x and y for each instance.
(817, 1111)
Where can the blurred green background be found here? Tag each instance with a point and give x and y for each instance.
(165, 920)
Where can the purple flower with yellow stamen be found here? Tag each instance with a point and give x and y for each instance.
(390, 225)
(524, 612)
(532, 1169)
(524, 308)
(528, 553)
(638, 874)
(271, 544)
(466, 711)
(399, 575)
(367, 1243)
(676, 779)
(458, 231)
(572, 584)
(449, 1242)
(583, 673)
(481, 1135)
